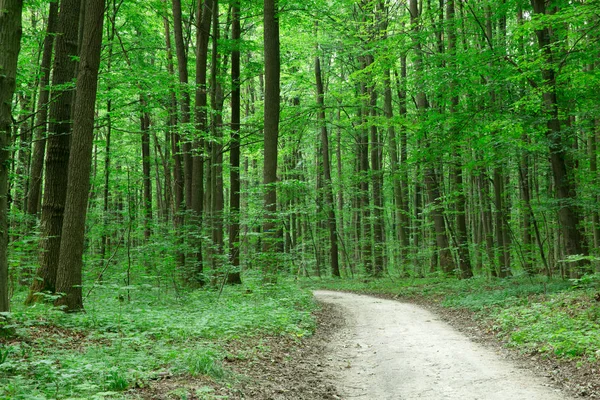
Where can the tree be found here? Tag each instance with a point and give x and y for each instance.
(271, 121)
(39, 147)
(234, 151)
(566, 193)
(204, 17)
(58, 147)
(10, 45)
(330, 205)
(69, 276)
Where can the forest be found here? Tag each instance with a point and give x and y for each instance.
(162, 157)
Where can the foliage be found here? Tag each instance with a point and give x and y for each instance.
(118, 345)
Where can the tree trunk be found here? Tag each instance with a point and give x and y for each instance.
(41, 122)
(174, 142)
(377, 183)
(182, 69)
(146, 166)
(234, 151)
(69, 276)
(10, 45)
(464, 259)
(326, 164)
(216, 102)
(271, 126)
(569, 212)
(58, 147)
(204, 17)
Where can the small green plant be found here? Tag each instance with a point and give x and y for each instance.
(4, 353)
(588, 281)
(203, 361)
(116, 381)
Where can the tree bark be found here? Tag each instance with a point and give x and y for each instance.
(147, 203)
(41, 122)
(326, 164)
(204, 16)
(58, 148)
(69, 276)
(271, 126)
(182, 69)
(464, 259)
(234, 150)
(446, 262)
(569, 212)
(10, 45)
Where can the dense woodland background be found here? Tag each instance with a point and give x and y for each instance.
(179, 143)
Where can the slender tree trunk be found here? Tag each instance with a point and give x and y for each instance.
(174, 141)
(218, 201)
(569, 212)
(394, 167)
(104, 240)
(234, 152)
(445, 259)
(464, 259)
(377, 184)
(39, 146)
(592, 154)
(204, 16)
(69, 276)
(365, 236)
(182, 69)
(58, 147)
(146, 166)
(404, 204)
(326, 164)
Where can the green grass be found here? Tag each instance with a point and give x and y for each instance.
(550, 317)
(117, 344)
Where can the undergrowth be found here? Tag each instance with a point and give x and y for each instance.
(131, 335)
(559, 318)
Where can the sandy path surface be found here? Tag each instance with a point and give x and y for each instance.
(392, 350)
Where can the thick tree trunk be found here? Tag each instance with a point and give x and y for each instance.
(271, 126)
(69, 276)
(10, 45)
(58, 146)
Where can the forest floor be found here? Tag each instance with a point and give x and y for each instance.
(373, 348)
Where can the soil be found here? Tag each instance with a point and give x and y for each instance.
(379, 349)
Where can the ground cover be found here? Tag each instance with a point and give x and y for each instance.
(132, 338)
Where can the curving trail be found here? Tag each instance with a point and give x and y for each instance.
(392, 350)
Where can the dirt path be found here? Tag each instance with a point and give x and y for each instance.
(391, 350)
